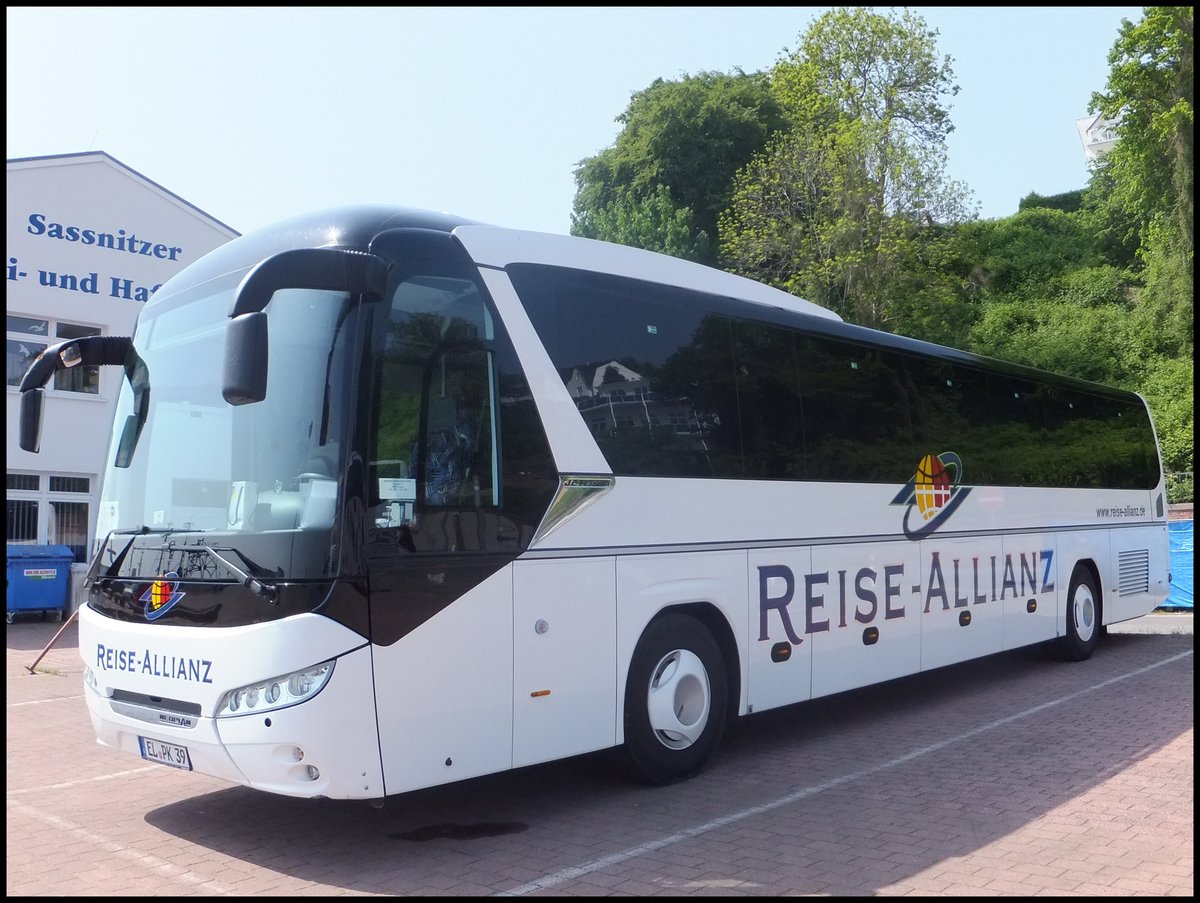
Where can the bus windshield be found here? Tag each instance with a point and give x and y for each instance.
(263, 474)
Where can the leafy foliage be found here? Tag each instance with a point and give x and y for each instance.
(1150, 90)
(843, 208)
(1086, 342)
(1028, 249)
(1168, 387)
(1067, 201)
(673, 162)
(653, 222)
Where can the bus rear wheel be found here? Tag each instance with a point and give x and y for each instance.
(1083, 617)
(675, 700)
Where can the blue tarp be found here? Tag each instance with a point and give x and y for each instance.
(1182, 563)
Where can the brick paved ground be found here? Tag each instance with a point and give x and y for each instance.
(1015, 775)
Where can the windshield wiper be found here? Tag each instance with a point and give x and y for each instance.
(268, 591)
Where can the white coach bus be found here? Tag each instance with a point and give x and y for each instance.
(396, 499)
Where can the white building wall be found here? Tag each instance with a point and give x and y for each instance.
(57, 269)
(1098, 135)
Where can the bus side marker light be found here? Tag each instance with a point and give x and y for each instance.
(304, 773)
(870, 636)
(964, 618)
(536, 693)
(1031, 606)
(781, 652)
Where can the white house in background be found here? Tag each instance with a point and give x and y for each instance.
(89, 240)
(1098, 135)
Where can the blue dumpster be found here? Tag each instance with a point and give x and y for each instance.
(38, 579)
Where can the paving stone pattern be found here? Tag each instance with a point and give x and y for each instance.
(1016, 775)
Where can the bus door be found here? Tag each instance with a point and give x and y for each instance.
(439, 550)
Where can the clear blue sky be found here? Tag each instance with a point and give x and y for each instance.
(256, 114)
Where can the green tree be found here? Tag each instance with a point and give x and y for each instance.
(1068, 201)
(1092, 343)
(845, 207)
(653, 222)
(1150, 91)
(1142, 192)
(1167, 384)
(1029, 249)
(673, 161)
(1166, 302)
(1142, 189)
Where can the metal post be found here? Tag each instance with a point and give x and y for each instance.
(53, 640)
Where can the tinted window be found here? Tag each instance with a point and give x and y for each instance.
(1101, 442)
(858, 422)
(951, 413)
(650, 369)
(1019, 444)
(680, 383)
(1135, 463)
(769, 409)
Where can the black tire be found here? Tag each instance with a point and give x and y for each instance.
(1083, 617)
(676, 700)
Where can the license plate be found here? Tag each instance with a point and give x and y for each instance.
(167, 753)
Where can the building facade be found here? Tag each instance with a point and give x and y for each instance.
(89, 241)
(1098, 136)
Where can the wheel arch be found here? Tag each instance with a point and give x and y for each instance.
(709, 615)
(1089, 565)
(1075, 644)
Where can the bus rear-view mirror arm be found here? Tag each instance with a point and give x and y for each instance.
(88, 351)
(322, 269)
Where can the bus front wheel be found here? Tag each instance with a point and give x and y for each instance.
(1083, 617)
(675, 700)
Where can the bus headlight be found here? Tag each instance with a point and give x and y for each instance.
(276, 692)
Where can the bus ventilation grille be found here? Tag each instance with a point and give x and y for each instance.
(1134, 572)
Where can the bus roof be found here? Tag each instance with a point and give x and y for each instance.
(355, 228)
(498, 247)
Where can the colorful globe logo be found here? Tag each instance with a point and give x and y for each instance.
(933, 485)
(161, 595)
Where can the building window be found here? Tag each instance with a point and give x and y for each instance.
(23, 481)
(68, 526)
(27, 337)
(70, 484)
(51, 510)
(22, 522)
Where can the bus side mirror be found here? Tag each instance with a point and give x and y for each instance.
(129, 438)
(244, 380)
(88, 351)
(30, 437)
(328, 269)
(323, 269)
